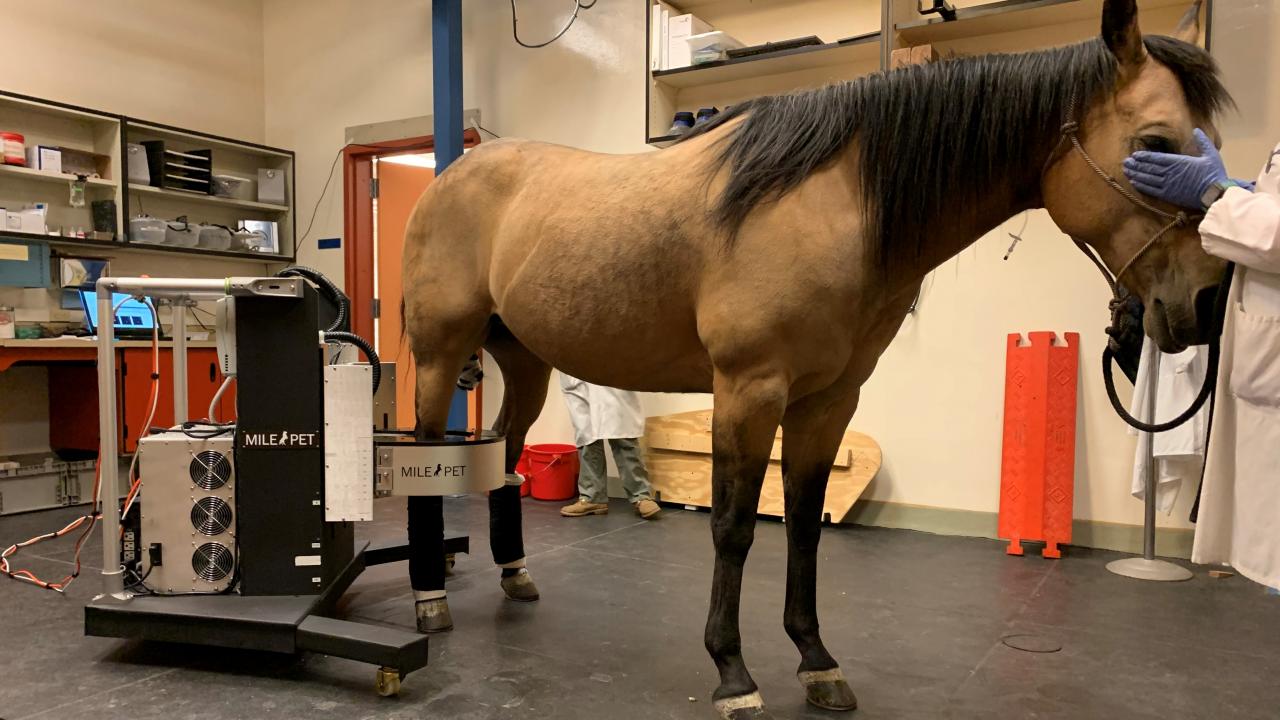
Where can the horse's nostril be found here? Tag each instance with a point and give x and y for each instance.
(1206, 302)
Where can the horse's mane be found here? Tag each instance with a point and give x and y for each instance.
(930, 136)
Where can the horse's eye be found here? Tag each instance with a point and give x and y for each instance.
(1157, 143)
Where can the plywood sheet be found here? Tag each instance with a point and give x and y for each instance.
(678, 456)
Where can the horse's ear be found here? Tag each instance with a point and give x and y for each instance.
(1121, 33)
(1189, 28)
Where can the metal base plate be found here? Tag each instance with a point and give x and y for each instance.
(276, 623)
(1144, 569)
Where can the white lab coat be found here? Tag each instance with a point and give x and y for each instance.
(1239, 522)
(1178, 453)
(601, 413)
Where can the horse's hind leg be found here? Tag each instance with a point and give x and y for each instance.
(524, 378)
(811, 433)
(747, 412)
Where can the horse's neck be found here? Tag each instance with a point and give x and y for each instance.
(965, 226)
(1015, 188)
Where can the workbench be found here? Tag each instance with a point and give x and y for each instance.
(73, 386)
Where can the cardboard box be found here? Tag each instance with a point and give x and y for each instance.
(680, 27)
(30, 220)
(917, 55)
(44, 158)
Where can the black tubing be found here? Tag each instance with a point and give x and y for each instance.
(327, 287)
(365, 347)
(1210, 377)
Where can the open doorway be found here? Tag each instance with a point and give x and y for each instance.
(382, 183)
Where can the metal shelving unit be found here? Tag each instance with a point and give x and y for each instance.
(994, 26)
(52, 123)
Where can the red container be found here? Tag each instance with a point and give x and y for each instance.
(13, 148)
(552, 471)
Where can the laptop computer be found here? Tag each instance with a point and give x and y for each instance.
(133, 318)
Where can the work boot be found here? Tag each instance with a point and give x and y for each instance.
(434, 616)
(583, 508)
(647, 508)
(520, 587)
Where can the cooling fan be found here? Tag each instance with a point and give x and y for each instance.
(211, 515)
(213, 561)
(210, 470)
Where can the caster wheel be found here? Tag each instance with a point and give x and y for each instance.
(449, 562)
(387, 682)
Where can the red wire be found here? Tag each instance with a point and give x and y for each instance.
(60, 586)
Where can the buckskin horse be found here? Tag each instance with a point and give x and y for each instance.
(776, 276)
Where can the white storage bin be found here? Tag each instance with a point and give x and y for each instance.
(230, 186)
(36, 482)
(710, 46)
(214, 237)
(182, 233)
(143, 229)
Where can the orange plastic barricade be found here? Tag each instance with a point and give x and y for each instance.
(1037, 463)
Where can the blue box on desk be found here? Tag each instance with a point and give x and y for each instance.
(24, 263)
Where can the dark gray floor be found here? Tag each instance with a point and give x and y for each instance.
(916, 621)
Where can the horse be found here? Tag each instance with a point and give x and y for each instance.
(770, 257)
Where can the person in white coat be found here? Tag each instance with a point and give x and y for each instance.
(1239, 518)
(601, 414)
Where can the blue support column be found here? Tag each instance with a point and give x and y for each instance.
(446, 57)
(446, 70)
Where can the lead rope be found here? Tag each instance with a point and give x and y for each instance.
(1070, 132)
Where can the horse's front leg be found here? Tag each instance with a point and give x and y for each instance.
(812, 430)
(747, 412)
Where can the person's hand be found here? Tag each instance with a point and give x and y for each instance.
(1178, 179)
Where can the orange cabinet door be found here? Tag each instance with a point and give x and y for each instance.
(203, 380)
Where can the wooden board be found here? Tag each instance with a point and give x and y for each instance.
(678, 457)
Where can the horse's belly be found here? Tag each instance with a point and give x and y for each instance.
(609, 328)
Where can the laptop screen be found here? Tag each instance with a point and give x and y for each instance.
(134, 316)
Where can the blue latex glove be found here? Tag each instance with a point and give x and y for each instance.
(1178, 179)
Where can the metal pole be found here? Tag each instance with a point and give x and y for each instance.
(1149, 479)
(886, 34)
(1148, 567)
(108, 461)
(179, 329)
(446, 68)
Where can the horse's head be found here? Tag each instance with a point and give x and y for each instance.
(1163, 89)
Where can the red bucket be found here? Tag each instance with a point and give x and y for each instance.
(551, 471)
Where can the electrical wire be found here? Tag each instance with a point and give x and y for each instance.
(197, 309)
(486, 130)
(374, 363)
(90, 520)
(316, 210)
(135, 480)
(213, 404)
(577, 5)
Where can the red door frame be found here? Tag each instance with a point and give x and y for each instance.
(357, 214)
(357, 204)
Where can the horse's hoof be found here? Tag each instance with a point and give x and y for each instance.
(828, 690)
(743, 707)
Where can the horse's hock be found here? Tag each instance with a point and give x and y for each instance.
(678, 456)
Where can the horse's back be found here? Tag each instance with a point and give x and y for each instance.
(564, 243)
